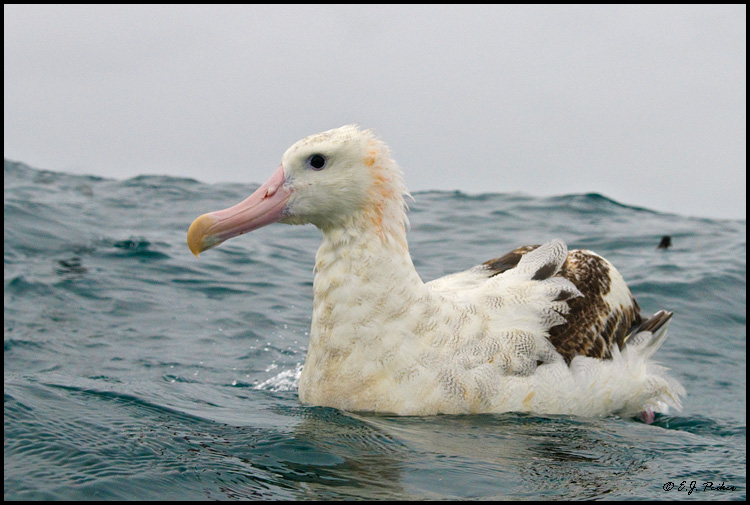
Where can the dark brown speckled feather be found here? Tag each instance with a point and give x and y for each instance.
(593, 326)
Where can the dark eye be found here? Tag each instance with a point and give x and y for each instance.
(317, 161)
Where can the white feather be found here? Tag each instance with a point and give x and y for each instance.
(383, 340)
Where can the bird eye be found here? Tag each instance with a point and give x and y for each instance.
(317, 161)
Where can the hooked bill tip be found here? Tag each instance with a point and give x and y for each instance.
(197, 233)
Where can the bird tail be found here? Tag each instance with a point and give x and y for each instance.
(650, 335)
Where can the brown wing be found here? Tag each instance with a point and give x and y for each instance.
(598, 320)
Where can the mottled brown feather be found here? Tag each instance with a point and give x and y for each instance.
(510, 260)
(587, 331)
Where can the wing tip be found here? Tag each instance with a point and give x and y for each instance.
(650, 335)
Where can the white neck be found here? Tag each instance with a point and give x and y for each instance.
(364, 286)
(361, 269)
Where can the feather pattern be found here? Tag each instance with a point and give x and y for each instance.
(540, 329)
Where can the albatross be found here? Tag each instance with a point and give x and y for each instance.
(540, 329)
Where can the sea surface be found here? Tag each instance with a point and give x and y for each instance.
(134, 370)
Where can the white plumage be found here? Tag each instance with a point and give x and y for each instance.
(539, 330)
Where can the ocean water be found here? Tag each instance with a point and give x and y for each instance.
(134, 370)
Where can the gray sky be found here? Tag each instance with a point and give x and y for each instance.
(646, 105)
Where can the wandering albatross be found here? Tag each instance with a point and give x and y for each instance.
(540, 329)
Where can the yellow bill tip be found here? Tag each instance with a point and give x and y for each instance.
(198, 232)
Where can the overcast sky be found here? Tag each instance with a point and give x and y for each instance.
(646, 105)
